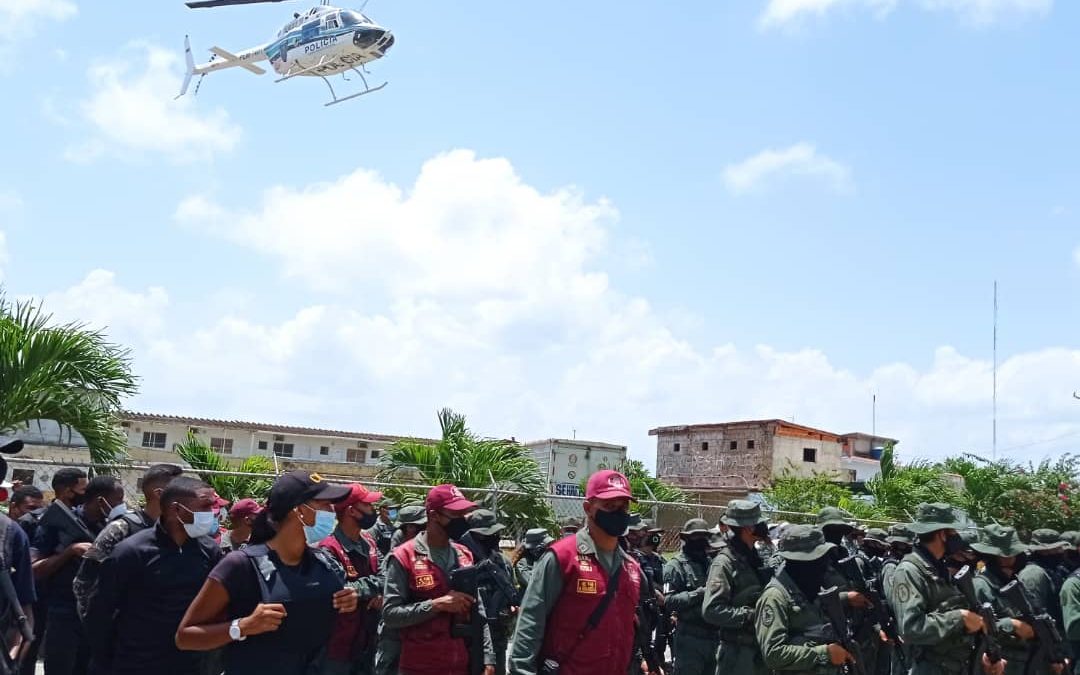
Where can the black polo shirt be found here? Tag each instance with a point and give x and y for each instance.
(144, 589)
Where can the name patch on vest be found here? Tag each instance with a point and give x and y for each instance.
(586, 586)
(585, 563)
(425, 581)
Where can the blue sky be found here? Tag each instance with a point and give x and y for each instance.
(601, 217)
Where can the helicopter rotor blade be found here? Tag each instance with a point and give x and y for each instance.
(200, 4)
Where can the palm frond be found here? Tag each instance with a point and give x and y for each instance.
(203, 459)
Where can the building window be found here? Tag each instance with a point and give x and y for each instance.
(734, 445)
(750, 445)
(676, 447)
(262, 445)
(324, 450)
(809, 454)
(153, 439)
(222, 445)
(704, 445)
(375, 454)
(356, 455)
(283, 449)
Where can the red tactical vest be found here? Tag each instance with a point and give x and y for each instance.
(349, 638)
(608, 648)
(428, 647)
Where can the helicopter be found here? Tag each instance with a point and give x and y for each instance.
(321, 42)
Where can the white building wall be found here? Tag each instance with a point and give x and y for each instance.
(864, 469)
(788, 455)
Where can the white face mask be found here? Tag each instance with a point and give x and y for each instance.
(204, 523)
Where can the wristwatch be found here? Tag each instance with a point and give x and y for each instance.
(234, 631)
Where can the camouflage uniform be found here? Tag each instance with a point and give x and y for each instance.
(1001, 542)
(389, 646)
(694, 644)
(867, 634)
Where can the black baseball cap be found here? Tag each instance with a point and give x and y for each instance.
(296, 487)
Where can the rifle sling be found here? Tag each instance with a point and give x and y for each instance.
(597, 614)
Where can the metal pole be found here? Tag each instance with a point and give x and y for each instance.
(995, 368)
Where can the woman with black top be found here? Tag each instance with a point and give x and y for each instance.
(273, 603)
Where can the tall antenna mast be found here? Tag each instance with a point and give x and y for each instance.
(995, 368)
(873, 422)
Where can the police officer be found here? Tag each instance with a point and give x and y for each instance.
(788, 619)
(931, 612)
(499, 595)
(568, 585)
(411, 521)
(536, 542)
(736, 579)
(694, 643)
(1042, 575)
(1003, 554)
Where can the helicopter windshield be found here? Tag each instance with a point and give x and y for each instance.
(352, 18)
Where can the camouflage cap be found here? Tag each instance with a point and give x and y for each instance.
(878, 535)
(830, 515)
(1071, 536)
(484, 522)
(411, 515)
(637, 524)
(803, 542)
(742, 513)
(1046, 540)
(694, 526)
(1000, 541)
(536, 538)
(933, 517)
(570, 522)
(969, 536)
(900, 533)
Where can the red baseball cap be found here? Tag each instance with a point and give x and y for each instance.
(608, 484)
(245, 508)
(447, 497)
(358, 494)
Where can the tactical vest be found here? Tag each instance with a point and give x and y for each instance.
(607, 649)
(746, 588)
(428, 647)
(693, 621)
(939, 595)
(349, 638)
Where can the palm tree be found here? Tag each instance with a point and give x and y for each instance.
(899, 489)
(68, 374)
(202, 458)
(469, 461)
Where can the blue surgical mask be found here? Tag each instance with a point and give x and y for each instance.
(114, 511)
(323, 527)
(392, 514)
(204, 523)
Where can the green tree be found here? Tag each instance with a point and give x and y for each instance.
(797, 494)
(899, 489)
(202, 458)
(470, 461)
(66, 373)
(646, 487)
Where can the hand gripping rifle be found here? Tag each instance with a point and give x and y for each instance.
(833, 609)
(1048, 640)
(880, 613)
(466, 580)
(988, 643)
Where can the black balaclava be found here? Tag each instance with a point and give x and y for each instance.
(808, 575)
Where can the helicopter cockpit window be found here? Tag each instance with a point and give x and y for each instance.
(332, 22)
(351, 18)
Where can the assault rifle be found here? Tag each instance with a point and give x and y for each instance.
(466, 580)
(880, 613)
(833, 610)
(61, 518)
(1048, 640)
(988, 643)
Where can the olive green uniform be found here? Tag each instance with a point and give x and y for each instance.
(731, 591)
(790, 630)
(694, 645)
(1014, 650)
(928, 615)
(1070, 609)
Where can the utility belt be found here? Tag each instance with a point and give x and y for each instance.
(695, 630)
(944, 660)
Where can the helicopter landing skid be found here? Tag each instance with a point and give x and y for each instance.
(304, 71)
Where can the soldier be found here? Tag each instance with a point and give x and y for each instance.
(900, 540)
(787, 618)
(1041, 576)
(694, 643)
(535, 544)
(410, 522)
(568, 526)
(561, 626)
(383, 529)
(1072, 553)
(836, 531)
(1003, 553)
(1070, 610)
(499, 595)
(736, 578)
(931, 612)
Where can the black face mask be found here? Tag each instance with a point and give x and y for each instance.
(487, 542)
(613, 523)
(808, 575)
(78, 498)
(696, 548)
(457, 527)
(954, 545)
(367, 521)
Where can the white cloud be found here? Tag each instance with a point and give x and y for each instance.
(801, 159)
(1076, 255)
(790, 13)
(471, 288)
(20, 19)
(132, 112)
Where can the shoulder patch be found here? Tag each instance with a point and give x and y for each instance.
(767, 616)
(903, 592)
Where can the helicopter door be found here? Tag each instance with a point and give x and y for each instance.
(310, 31)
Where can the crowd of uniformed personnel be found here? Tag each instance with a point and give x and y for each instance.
(327, 579)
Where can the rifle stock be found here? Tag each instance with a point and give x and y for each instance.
(64, 520)
(880, 613)
(1048, 640)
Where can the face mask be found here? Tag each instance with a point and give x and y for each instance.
(695, 548)
(954, 544)
(367, 521)
(490, 542)
(323, 527)
(392, 514)
(457, 527)
(78, 498)
(115, 511)
(613, 523)
(203, 524)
